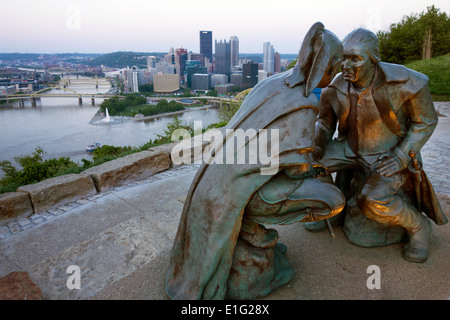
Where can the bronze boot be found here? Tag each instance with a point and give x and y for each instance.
(320, 225)
(257, 235)
(417, 248)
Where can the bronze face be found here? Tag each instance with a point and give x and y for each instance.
(332, 71)
(357, 66)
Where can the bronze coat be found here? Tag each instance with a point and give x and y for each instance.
(404, 102)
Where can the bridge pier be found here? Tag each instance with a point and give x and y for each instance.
(80, 101)
(21, 104)
(33, 102)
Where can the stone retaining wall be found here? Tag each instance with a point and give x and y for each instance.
(58, 191)
(135, 166)
(53, 192)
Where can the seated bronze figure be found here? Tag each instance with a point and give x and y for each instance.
(385, 114)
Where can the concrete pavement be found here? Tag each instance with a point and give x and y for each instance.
(121, 242)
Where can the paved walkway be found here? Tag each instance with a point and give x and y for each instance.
(121, 241)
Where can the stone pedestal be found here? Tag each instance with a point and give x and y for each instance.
(368, 233)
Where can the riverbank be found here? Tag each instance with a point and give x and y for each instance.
(98, 116)
(171, 114)
(7, 106)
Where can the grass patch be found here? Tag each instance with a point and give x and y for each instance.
(134, 104)
(438, 70)
(150, 110)
(440, 97)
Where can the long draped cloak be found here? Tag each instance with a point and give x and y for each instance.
(211, 219)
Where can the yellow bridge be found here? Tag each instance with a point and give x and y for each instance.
(68, 93)
(65, 82)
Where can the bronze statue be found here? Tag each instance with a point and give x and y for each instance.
(222, 249)
(385, 115)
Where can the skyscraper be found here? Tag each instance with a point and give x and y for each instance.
(134, 78)
(223, 57)
(192, 69)
(151, 62)
(277, 62)
(206, 44)
(234, 51)
(268, 58)
(249, 75)
(198, 57)
(182, 58)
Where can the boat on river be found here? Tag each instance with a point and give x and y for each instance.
(92, 147)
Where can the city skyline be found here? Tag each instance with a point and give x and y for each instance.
(82, 26)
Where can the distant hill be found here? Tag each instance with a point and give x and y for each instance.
(16, 56)
(35, 56)
(122, 59)
(258, 57)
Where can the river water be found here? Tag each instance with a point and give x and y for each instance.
(62, 128)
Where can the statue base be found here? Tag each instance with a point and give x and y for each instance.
(364, 232)
(256, 272)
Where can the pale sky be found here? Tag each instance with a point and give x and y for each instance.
(98, 26)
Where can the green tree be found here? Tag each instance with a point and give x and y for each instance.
(146, 88)
(116, 106)
(439, 23)
(212, 93)
(292, 64)
(109, 151)
(187, 93)
(173, 125)
(404, 41)
(34, 169)
(236, 89)
(227, 110)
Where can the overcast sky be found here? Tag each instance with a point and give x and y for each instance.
(98, 26)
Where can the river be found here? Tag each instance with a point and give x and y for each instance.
(62, 128)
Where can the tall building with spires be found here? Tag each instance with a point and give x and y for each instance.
(206, 44)
(234, 51)
(223, 57)
(172, 59)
